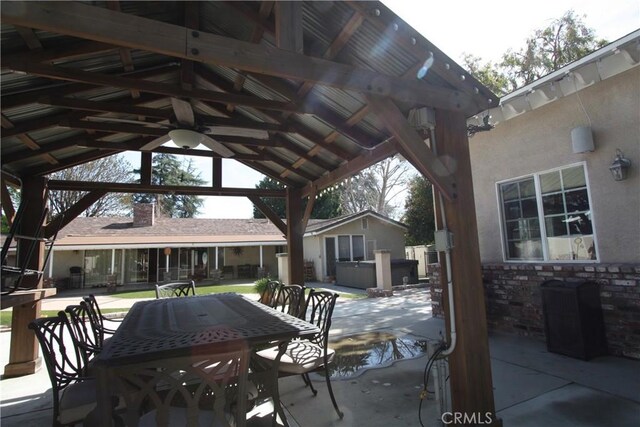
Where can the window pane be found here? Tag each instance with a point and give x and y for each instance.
(550, 182)
(580, 223)
(529, 208)
(573, 178)
(577, 200)
(553, 204)
(344, 250)
(527, 188)
(509, 191)
(513, 230)
(512, 210)
(556, 226)
(560, 248)
(358, 248)
(527, 249)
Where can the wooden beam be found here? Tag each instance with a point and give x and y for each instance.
(100, 79)
(216, 173)
(265, 10)
(110, 106)
(125, 54)
(24, 356)
(364, 160)
(122, 187)
(67, 163)
(126, 30)
(268, 172)
(29, 36)
(289, 26)
(146, 169)
(470, 363)
(7, 203)
(26, 140)
(311, 201)
(57, 90)
(114, 127)
(64, 218)
(413, 147)
(269, 213)
(295, 234)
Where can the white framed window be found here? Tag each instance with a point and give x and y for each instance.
(547, 216)
(351, 247)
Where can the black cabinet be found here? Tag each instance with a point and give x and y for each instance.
(573, 320)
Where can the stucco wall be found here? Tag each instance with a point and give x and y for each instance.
(62, 261)
(541, 139)
(387, 236)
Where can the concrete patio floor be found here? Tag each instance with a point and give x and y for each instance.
(532, 387)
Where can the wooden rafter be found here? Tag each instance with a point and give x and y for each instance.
(269, 213)
(26, 140)
(7, 203)
(70, 214)
(125, 54)
(413, 147)
(120, 187)
(364, 160)
(100, 79)
(20, 99)
(135, 32)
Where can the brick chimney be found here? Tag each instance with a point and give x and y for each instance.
(143, 214)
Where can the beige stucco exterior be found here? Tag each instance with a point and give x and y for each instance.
(385, 234)
(540, 140)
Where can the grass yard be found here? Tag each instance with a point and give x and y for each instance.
(5, 315)
(200, 290)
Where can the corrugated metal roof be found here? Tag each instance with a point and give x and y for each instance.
(371, 46)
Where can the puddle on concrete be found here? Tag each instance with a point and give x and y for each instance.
(356, 353)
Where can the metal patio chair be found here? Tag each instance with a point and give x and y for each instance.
(290, 300)
(313, 354)
(176, 289)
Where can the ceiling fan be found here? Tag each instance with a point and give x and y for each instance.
(188, 133)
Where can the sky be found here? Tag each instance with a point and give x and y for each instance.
(486, 29)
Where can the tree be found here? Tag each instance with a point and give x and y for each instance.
(565, 40)
(489, 74)
(108, 169)
(377, 187)
(419, 214)
(168, 170)
(327, 203)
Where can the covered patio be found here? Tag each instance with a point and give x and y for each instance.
(307, 93)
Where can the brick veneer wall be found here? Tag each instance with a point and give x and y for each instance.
(514, 303)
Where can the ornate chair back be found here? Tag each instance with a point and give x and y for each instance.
(176, 289)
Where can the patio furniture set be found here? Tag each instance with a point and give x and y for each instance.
(185, 359)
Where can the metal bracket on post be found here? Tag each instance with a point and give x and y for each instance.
(444, 240)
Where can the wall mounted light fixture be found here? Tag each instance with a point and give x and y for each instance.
(620, 166)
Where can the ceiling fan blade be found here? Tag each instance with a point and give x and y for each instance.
(155, 143)
(133, 122)
(183, 112)
(216, 146)
(237, 131)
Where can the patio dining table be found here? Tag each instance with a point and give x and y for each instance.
(175, 327)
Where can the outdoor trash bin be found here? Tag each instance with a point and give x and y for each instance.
(574, 324)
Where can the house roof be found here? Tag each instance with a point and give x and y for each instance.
(606, 62)
(324, 225)
(85, 80)
(120, 232)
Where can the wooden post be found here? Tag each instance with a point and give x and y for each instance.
(294, 236)
(23, 355)
(470, 364)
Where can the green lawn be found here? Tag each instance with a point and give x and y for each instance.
(5, 315)
(200, 290)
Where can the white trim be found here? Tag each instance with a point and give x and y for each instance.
(541, 218)
(160, 245)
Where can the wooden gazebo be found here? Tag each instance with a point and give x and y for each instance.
(307, 93)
